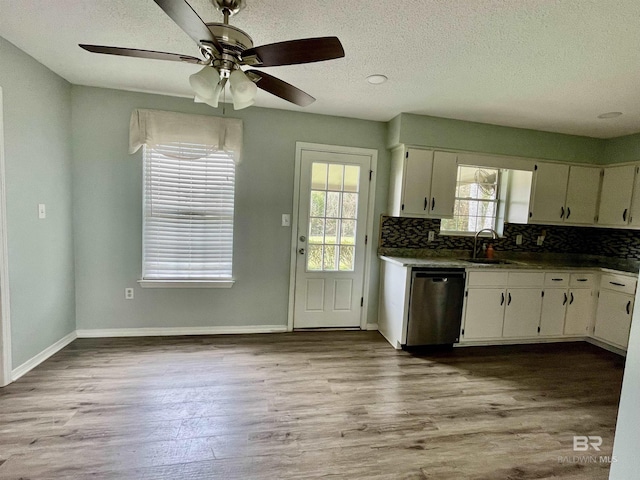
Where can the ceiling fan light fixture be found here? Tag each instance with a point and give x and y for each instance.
(243, 90)
(204, 83)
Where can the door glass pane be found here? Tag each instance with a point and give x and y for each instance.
(333, 204)
(332, 217)
(346, 258)
(316, 230)
(314, 258)
(318, 200)
(331, 232)
(336, 173)
(330, 257)
(351, 178)
(319, 176)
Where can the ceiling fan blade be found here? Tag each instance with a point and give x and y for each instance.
(132, 52)
(293, 52)
(280, 88)
(189, 21)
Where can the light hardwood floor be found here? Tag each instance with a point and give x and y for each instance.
(339, 405)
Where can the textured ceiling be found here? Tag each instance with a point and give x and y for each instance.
(544, 64)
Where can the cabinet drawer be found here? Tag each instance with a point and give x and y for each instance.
(582, 280)
(487, 279)
(556, 279)
(526, 279)
(618, 283)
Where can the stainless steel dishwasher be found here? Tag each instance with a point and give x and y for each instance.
(435, 307)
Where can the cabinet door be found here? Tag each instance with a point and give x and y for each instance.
(484, 313)
(615, 199)
(613, 317)
(554, 308)
(443, 184)
(634, 219)
(522, 315)
(549, 193)
(582, 195)
(417, 181)
(579, 312)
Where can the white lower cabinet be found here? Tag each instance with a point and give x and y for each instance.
(527, 305)
(579, 312)
(615, 309)
(522, 312)
(554, 310)
(484, 313)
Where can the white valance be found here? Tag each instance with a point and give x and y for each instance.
(157, 127)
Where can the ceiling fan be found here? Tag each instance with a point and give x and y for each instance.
(226, 48)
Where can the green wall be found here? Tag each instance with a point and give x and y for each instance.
(37, 130)
(412, 129)
(622, 149)
(108, 207)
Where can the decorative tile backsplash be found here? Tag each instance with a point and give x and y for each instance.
(398, 232)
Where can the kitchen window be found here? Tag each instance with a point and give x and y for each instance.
(476, 201)
(189, 175)
(188, 213)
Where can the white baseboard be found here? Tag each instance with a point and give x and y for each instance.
(178, 331)
(516, 341)
(33, 362)
(606, 346)
(372, 326)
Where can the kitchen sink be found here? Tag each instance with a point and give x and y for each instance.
(488, 261)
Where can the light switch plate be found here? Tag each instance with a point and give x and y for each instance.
(42, 211)
(432, 235)
(286, 220)
(519, 239)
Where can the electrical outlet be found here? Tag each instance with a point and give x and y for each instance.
(128, 293)
(432, 236)
(286, 220)
(540, 240)
(519, 239)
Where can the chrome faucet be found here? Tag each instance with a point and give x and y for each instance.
(494, 234)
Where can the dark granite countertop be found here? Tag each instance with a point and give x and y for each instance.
(460, 259)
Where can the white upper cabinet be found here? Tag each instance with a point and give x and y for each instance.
(423, 183)
(443, 184)
(564, 194)
(615, 199)
(634, 217)
(418, 167)
(582, 195)
(548, 193)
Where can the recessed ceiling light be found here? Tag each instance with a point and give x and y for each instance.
(609, 115)
(376, 79)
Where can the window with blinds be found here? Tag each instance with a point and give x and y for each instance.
(188, 213)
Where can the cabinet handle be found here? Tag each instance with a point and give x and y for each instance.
(557, 279)
(617, 284)
(582, 279)
(571, 302)
(628, 307)
(425, 203)
(624, 215)
(561, 212)
(509, 302)
(568, 213)
(433, 203)
(502, 299)
(565, 299)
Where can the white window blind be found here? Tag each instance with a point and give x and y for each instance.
(188, 212)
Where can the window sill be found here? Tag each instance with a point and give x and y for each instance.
(186, 283)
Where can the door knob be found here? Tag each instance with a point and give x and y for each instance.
(303, 238)
(301, 251)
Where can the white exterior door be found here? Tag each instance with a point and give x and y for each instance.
(330, 243)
